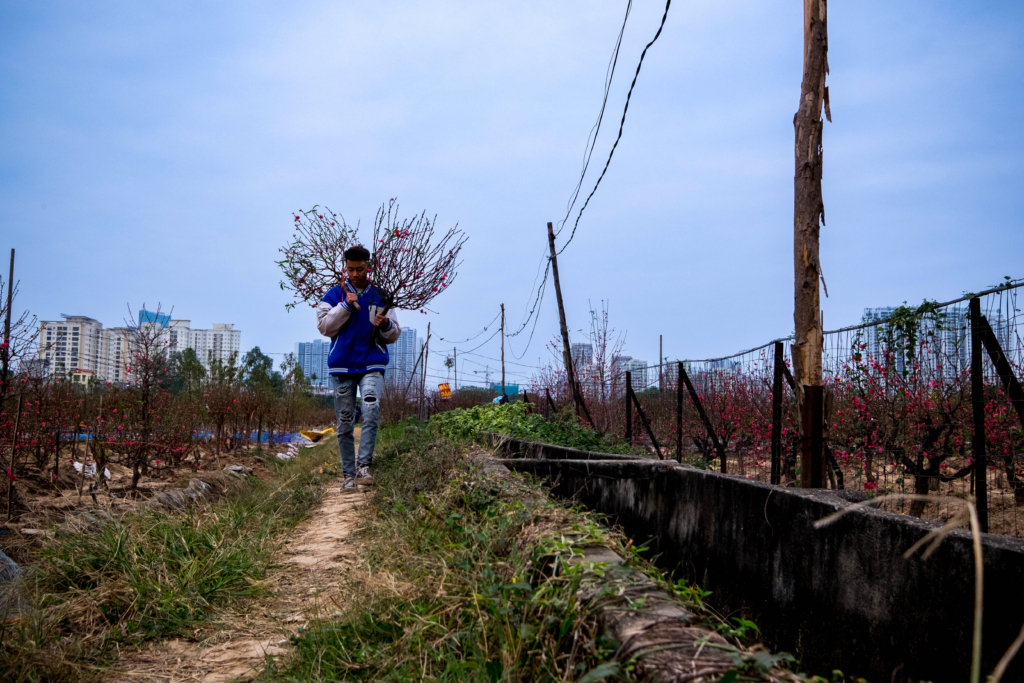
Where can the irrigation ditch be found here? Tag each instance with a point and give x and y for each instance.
(839, 597)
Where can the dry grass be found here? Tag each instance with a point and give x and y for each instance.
(147, 574)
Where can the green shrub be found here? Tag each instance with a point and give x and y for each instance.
(513, 419)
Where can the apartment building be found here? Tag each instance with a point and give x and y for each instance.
(216, 343)
(79, 347)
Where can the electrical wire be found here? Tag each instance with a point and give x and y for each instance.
(588, 149)
(475, 335)
(622, 124)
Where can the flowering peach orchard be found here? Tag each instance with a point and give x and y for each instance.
(898, 412)
(172, 413)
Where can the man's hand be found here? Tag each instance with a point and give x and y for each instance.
(352, 299)
(379, 319)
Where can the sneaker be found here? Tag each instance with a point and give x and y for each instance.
(349, 486)
(363, 476)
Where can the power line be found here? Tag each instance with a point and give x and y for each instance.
(588, 149)
(622, 123)
(475, 335)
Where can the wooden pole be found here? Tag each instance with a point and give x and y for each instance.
(647, 425)
(978, 410)
(812, 457)
(5, 358)
(85, 456)
(776, 476)
(629, 408)
(503, 349)
(679, 413)
(423, 377)
(455, 369)
(566, 353)
(719, 448)
(12, 471)
(808, 210)
(661, 359)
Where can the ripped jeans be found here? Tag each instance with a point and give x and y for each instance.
(371, 385)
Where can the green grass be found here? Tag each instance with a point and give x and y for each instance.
(563, 429)
(154, 574)
(485, 592)
(468, 581)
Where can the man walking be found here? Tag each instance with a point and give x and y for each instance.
(348, 314)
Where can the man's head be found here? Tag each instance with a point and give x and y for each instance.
(357, 260)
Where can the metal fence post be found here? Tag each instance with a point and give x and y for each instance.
(629, 408)
(978, 408)
(679, 413)
(776, 477)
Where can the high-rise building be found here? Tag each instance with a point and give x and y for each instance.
(216, 343)
(402, 356)
(312, 358)
(582, 355)
(81, 348)
(73, 345)
(946, 335)
(638, 368)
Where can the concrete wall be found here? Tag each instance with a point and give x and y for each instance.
(516, 448)
(841, 597)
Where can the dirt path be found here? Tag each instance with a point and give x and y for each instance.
(307, 582)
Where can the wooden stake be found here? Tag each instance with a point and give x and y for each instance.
(629, 408)
(776, 474)
(808, 209)
(503, 349)
(978, 409)
(679, 412)
(661, 359)
(566, 353)
(13, 471)
(5, 358)
(423, 377)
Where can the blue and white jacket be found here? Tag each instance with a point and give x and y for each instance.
(350, 329)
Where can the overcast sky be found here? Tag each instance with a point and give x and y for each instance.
(155, 152)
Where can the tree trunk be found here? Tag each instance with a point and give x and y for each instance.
(920, 488)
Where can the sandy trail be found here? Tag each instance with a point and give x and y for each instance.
(307, 582)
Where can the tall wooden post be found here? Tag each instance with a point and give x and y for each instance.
(5, 358)
(566, 352)
(629, 407)
(455, 370)
(12, 472)
(503, 349)
(808, 209)
(679, 412)
(661, 359)
(978, 408)
(776, 475)
(423, 377)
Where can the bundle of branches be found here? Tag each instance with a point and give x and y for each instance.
(315, 261)
(411, 262)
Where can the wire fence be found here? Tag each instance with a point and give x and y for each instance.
(898, 409)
